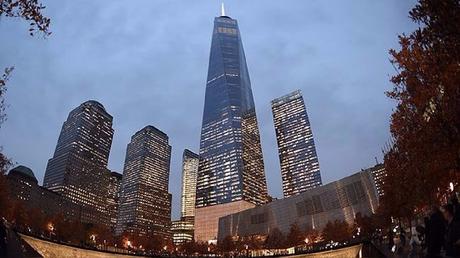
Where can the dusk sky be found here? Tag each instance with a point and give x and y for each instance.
(146, 62)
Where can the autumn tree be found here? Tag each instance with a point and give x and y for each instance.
(38, 222)
(30, 11)
(295, 236)
(275, 239)
(338, 231)
(253, 242)
(312, 235)
(18, 215)
(425, 126)
(365, 225)
(227, 244)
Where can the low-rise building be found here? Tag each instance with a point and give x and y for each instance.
(312, 209)
(182, 231)
(23, 187)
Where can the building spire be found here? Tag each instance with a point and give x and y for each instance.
(222, 10)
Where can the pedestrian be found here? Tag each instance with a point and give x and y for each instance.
(456, 206)
(391, 241)
(3, 239)
(402, 237)
(452, 244)
(414, 239)
(435, 233)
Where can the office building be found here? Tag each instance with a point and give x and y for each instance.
(145, 204)
(23, 188)
(113, 197)
(231, 173)
(182, 231)
(78, 168)
(296, 147)
(190, 162)
(379, 174)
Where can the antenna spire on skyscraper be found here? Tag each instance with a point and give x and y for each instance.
(222, 10)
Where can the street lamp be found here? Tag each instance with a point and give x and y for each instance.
(50, 228)
(92, 238)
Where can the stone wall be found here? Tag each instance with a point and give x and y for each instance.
(53, 250)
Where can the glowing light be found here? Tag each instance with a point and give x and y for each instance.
(222, 10)
(50, 226)
(451, 186)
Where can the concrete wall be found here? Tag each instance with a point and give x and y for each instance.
(207, 218)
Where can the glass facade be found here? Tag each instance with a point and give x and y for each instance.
(77, 169)
(231, 165)
(296, 147)
(190, 162)
(145, 204)
(339, 200)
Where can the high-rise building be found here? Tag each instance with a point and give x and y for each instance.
(113, 197)
(231, 173)
(379, 175)
(39, 201)
(182, 230)
(77, 169)
(145, 204)
(190, 162)
(296, 147)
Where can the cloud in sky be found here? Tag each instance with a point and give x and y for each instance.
(146, 62)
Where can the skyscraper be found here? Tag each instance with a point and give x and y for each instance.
(145, 204)
(182, 230)
(113, 197)
(77, 169)
(379, 175)
(190, 162)
(296, 147)
(231, 173)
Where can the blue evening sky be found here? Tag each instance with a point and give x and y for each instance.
(146, 61)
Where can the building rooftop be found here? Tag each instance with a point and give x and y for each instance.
(23, 171)
(286, 98)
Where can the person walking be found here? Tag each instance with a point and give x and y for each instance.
(3, 239)
(435, 233)
(452, 244)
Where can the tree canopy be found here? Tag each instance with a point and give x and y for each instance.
(425, 127)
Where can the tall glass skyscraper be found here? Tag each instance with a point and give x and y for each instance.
(182, 230)
(145, 204)
(231, 170)
(78, 168)
(296, 147)
(190, 162)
